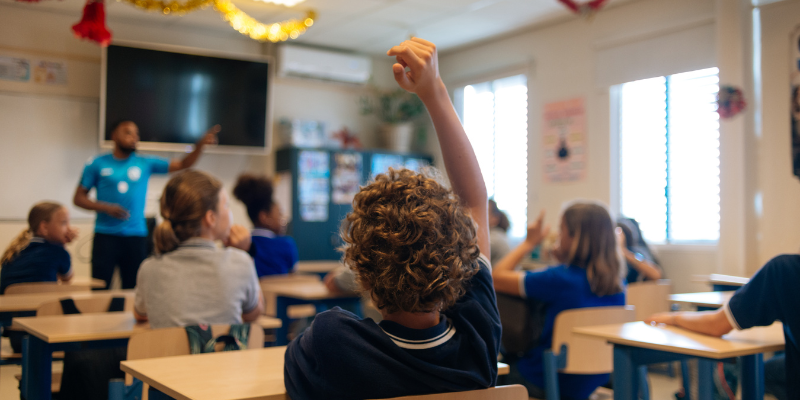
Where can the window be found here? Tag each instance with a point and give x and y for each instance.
(669, 156)
(495, 116)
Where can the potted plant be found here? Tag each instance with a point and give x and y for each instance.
(397, 110)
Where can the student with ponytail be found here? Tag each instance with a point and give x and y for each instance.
(273, 253)
(37, 254)
(190, 280)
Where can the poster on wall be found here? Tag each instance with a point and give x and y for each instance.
(794, 56)
(15, 69)
(564, 141)
(347, 172)
(313, 185)
(50, 72)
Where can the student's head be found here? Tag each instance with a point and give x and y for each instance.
(255, 191)
(48, 220)
(125, 135)
(193, 205)
(587, 240)
(497, 218)
(410, 243)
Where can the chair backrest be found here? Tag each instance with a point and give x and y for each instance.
(587, 355)
(94, 305)
(510, 392)
(44, 287)
(649, 297)
(168, 342)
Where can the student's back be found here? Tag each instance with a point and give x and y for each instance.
(415, 245)
(191, 281)
(197, 283)
(589, 276)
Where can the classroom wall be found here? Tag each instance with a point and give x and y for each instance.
(579, 58)
(42, 142)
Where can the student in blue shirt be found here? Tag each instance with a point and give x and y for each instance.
(415, 246)
(771, 295)
(120, 179)
(273, 253)
(37, 254)
(589, 276)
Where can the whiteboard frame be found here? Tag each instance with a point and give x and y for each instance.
(182, 147)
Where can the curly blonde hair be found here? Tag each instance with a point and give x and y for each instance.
(410, 243)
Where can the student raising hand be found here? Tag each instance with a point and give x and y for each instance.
(420, 56)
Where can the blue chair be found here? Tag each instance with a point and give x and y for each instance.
(582, 355)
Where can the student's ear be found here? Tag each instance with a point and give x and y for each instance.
(41, 230)
(263, 218)
(210, 219)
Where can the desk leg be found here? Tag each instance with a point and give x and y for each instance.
(752, 377)
(626, 382)
(37, 369)
(705, 379)
(281, 309)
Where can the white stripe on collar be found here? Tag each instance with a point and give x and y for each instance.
(263, 233)
(37, 239)
(426, 343)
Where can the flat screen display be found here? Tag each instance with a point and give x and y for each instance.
(175, 97)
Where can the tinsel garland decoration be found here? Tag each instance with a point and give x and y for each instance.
(247, 25)
(170, 7)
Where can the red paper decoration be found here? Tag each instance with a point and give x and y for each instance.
(93, 23)
(589, 7)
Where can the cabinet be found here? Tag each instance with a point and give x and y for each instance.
(323, 182)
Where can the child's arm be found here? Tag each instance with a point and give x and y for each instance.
(462, 167)
(253, 314)
(506, 278)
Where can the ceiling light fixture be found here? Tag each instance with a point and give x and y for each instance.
(287, 3)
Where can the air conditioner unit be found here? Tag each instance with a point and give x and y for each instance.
(321, 64)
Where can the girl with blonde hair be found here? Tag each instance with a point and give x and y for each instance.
(37, 254)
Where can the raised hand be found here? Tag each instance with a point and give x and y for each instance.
(210, 137)
(537, 231)
(421, 58)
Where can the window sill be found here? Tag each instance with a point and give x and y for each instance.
(688, 246)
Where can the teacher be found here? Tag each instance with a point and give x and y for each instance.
(120, 179)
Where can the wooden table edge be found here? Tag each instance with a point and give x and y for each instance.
(682, 350)
(150, 381)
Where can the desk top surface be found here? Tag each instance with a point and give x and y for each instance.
(719, 279)
(101, 326)
(702, 299)
(317, 267)
(677, 340)
(250, 374)
(308, 290)
(86, 281)
(30, 302)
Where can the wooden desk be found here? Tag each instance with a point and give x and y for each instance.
(249, 374)
(722, 283)
(30, 302)
(76, 332)
(92, 283)
(637, 344)
(702, 299)
(289, 294)
(317, 267)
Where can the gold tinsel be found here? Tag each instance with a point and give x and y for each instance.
(239, 20)
(246, 25)
(170, 7)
